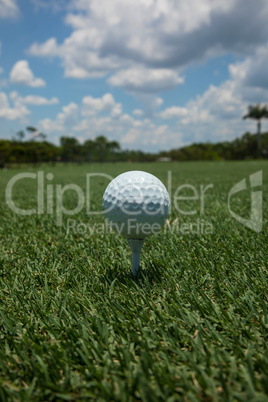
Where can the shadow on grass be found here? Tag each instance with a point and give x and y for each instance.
(149, 275)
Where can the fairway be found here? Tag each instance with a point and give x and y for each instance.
(76, 325)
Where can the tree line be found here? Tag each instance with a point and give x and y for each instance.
(16, 151)
(37, 150)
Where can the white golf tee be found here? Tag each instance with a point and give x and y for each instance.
(136, 246)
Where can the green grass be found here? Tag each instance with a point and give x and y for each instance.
(192, 325)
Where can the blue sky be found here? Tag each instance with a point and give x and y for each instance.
(151, 74)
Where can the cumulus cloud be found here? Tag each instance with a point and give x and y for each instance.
(216, 103)
(91, 106)
(79, 55)
(39, 100)
(64, 122)
(150, 104)
(49, 48)
(217, 113)
(8, 8)
(96, 116)
(49, 126)
(147, 44)
(252, 71)
(138, 112)
(151, 137)
(146, 80)
(69, 115)
(159, 34)
(18, 111)
(23, 75)
(174, 112)
(144, 49)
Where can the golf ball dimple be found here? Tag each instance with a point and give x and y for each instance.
(136, 204)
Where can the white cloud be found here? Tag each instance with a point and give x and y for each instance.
(138, 112)
(8, 8)
(96, 116)
(49, 126)
(79, 55)
(151, 137)
(126, 119)
(49, 48)
(150, 103)
(22, 74)
(82, 126)
(153, 35)
(19, 111)
(64, 123)
(147, 44)
(36, 100)
(95, 126)
(157, 102)
(216, 115)
(116, 110)
(91, 106)
(69, 115)
(146, 80)
(174, 112)
(252, 72)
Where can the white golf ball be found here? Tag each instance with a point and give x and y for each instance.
(136, 204)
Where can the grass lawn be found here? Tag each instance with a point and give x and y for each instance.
(191, 326)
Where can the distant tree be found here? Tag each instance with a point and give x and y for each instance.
(114, 147)
(102, 147)
(79, 154)
(35, 134)
(69, 148)
(31, 129)
(19, 136)
(4, 152)
(42, 136)
(257, 113)
(89, 147)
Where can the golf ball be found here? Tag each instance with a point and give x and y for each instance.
(136, 204)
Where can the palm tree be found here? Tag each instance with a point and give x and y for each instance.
(257, 113)
(35, 133)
